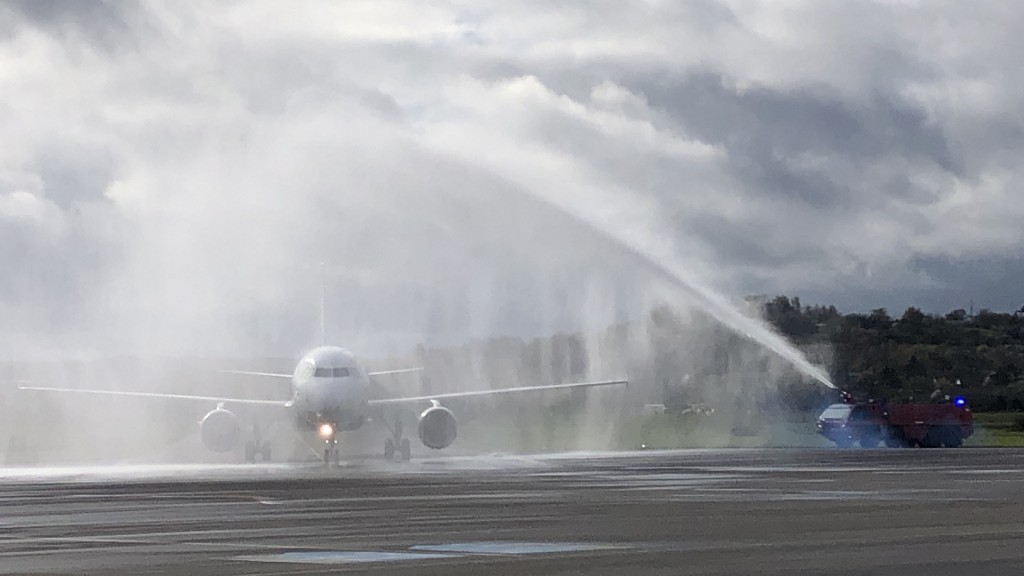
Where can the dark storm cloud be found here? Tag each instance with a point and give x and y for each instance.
(995, 282)
(103, 23)
(765, 170)
(746, 244)
(830, 158)
(763, 128)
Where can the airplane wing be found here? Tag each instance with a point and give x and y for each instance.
(266, 374)
(498, 391)
(390, 372)
(280, 403)
(279, 375)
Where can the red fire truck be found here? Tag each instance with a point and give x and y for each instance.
(945, 424)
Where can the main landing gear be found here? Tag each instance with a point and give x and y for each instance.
(404, 450)
(257, 446)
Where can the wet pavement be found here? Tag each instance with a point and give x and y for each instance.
(907, 512)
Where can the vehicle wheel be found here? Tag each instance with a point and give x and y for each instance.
(933, 439)
(389, 448)
(868, 441)
(894, 438)
(952, 438)
(250, 451)
(843, 442)
(406, 449)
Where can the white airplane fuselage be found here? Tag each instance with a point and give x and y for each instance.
(330, 388)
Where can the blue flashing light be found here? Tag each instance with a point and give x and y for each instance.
(959, 401)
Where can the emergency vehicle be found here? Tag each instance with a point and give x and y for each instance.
(933, 425)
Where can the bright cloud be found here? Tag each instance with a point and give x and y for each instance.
(173, 174)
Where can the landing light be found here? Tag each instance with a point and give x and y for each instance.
(325, 430)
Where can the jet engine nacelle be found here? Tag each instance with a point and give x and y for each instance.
(220, 430)
(437, 427)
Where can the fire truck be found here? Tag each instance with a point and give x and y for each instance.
(945, 424)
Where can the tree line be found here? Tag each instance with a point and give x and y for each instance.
(685, 360)
(914, 356)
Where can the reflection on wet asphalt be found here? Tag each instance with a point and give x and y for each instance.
(682, 512)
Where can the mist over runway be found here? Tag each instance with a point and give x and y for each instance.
(680, 512)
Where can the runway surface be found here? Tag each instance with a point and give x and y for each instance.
(907, 512)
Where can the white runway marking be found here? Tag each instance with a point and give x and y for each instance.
(343, 557)
(430, 552)
(517, 548)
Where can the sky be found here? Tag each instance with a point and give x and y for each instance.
(173, 174)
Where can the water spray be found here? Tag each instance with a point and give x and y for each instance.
(717, 306)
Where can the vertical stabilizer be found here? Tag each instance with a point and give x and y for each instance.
(323, 304)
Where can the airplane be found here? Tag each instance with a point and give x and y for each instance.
(330, 393)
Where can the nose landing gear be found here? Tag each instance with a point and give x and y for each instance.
(331, 454)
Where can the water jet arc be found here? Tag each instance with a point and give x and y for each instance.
(716, 305)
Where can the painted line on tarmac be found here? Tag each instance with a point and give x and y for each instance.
(343, 557)
(431, 552)
(517, 548)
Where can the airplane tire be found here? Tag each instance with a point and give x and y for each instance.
(406, 449)
(250, 451)
(265, 452)
(389, 448)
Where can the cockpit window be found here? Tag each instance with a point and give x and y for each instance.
(332, 373)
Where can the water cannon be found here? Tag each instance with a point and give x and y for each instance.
(846, 397)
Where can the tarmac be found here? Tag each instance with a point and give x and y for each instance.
(907, 512)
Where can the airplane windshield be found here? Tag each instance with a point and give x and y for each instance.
(331, 373)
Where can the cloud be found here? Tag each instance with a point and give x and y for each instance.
(181, 170)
